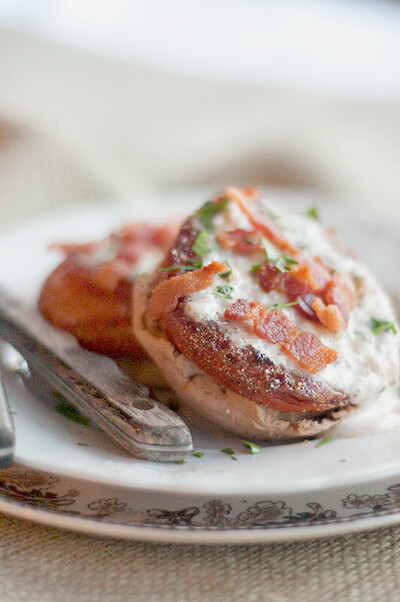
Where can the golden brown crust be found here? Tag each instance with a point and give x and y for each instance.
(100, 319)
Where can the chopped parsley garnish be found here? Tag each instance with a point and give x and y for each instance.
(84, 444)
(190, 266)
(200, 245)
(228, 273)
(255, 267)
(378, 326)
(198, 454)
(229, 452)
(277, 306)
(358, 332)
(14, 413)
(224, 291)
(398, 391)
(312, 212)
(209, 210)
(68, 410)
(283, 263)
(325, 440)
(252, 447)
(181, 462)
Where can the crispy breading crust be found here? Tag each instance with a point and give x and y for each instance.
(100, 320)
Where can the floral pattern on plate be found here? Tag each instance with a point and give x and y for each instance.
(44, 491)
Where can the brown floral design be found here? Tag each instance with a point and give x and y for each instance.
(41, 490)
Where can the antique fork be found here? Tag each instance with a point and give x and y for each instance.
(126, 410)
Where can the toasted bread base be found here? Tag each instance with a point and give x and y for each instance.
(230, 410)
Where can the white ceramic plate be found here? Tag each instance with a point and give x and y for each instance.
(285, 492)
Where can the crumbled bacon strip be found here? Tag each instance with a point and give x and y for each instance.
(262, 223)
(308, 352)
(329, 315)
(240, 241)
(340, 297)
(334, 297)
(111, 260)
(166, 294)
(72, 248)
(304, 348)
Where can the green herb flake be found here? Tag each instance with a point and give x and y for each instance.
(171, 268)
(269, 251)
(342, 460)
(225, 274)
(208, 211)
(255, 267)
(190, 266)
(325, 440)
(312, 213)
(229, 452)
(200, 245)
(67, 409)
(198, 454)
(252, 447)
(181, 461)
(358, 332)
(379, 326)
(14, 413)
(277, 306)
(283, 263)
(224, 291)
(84, 444)
(398, 391)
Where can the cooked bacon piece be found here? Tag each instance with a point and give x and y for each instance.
(329, 315)
(275, 327)
(240, 241)
(304, 348)
(298, 281)
(340, 298)
(159, 236)
(72, 248)
(166, 294)
(239, 311)
(262, 223)
(307, 351)
(341, 292)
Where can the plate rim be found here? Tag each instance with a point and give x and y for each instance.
(202, 536)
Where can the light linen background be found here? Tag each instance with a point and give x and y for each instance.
(101, 101)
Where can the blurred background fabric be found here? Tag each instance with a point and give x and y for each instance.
(126, 99)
